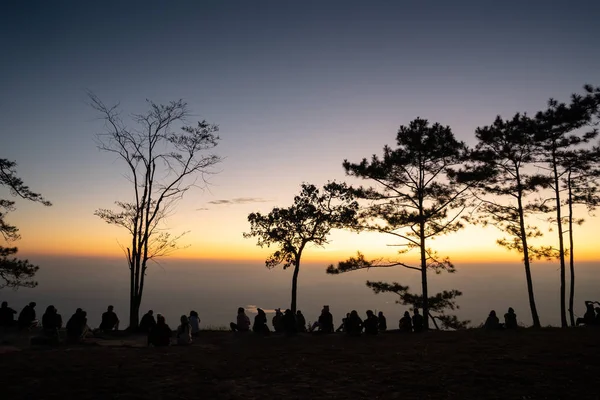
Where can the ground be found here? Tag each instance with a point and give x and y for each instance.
(472, 364)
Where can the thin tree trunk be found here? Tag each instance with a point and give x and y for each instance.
(135, 308)
(571, 255)
(293, 306)
(295, 287)
(131, 284)
(140, 295)
(532, 306)
(131, 301)
(134, 314)
(534, 314)
(422, 247)
(561, 247)
(424, 277)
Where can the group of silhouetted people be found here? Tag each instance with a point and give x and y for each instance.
(354, 325)
(416, 323)
(27, 317)
(160, 334)
(52, 322)
(287, 322)
(493, 322)
(283, 322)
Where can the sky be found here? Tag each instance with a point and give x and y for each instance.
(295, 87)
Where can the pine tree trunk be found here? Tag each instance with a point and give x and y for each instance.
(532, 306)
(424, 278)
(561, 247)
(131, 290)
(571, 256)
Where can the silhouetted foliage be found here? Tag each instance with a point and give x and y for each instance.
(163, 164)
(14, 273)
(420, 194)
(439, 303)
(557, 134)
(581, 182)
(507, 149)
(308, 221)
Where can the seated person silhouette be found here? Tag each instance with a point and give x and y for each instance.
(242, 323)
(300, 321)
(7, 316)
(510, 319)
(27, 317)
(110, 321)
(597, 319)
(77, 326)
(260, 323)
(381, 322)
(160, 335)
(371, 324)
(288, 323)
(353, 325)
(148, 322)
(51, 322)
(277, 321)
(184, 332)
(342, 327)
(492, 322)
(325, 322)
(418, 321)
(589, 318)
(405, 323)
(194, 320)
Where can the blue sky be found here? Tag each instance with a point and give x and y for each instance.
(296, 88)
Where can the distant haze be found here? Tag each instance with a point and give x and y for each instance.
(216, 289)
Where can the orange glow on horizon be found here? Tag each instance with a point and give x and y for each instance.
(219, 237)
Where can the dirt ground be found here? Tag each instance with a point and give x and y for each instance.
(472, 364)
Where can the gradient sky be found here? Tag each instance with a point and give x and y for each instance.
(296, 87)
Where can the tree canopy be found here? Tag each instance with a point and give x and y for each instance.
(419, 190)
(162, 163)
(14, 273)
(309, 220)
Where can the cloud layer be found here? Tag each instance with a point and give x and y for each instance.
(239, 200)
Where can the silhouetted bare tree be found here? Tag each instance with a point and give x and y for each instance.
(419, 195)
(163, 163)
(14, 273)
(309, 220)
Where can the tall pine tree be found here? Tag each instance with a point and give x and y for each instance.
(416, 196)
(559, 131)
(507, 150)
